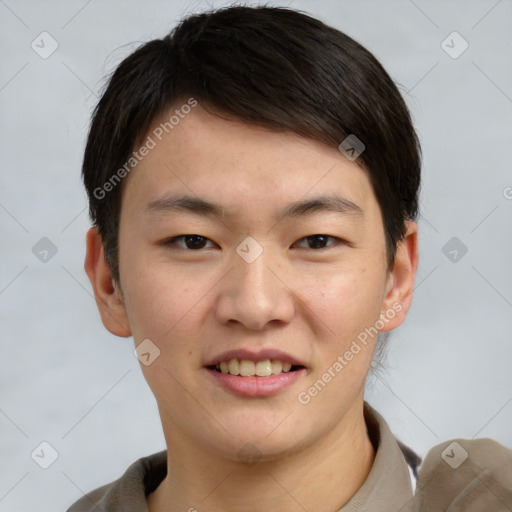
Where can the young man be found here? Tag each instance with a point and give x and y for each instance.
(253, 181)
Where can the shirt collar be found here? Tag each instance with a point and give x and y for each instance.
(388, 486)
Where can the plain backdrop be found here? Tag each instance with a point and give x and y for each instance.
(66, 381)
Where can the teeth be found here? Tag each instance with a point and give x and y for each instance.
(234, 367)
(247, 368)
(264, 368)
(276, 367)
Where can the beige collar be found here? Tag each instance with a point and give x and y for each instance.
(388, 486)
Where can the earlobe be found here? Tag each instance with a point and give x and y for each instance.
(400, 284)
(108, 296)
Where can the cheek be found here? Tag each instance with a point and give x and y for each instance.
(347, 300)
(163, 307)
(348, 304)
(158, 298)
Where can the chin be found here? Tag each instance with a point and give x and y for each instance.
(258, 442)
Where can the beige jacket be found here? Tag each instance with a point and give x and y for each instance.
(455, 476)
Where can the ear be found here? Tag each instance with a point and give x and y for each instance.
(400, 280)
(108, 296)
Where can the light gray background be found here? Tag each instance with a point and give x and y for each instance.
(65, 380)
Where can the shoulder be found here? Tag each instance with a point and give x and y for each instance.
(130, 490)
(465, 475)
(101, 498)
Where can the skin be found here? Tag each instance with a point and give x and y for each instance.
(196, 303)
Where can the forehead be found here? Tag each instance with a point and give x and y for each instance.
(239, 166)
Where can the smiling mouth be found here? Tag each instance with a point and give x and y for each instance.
(247, 368)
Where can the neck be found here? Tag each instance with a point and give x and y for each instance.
(323, 476)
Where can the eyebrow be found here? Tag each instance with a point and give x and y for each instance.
(301, 208)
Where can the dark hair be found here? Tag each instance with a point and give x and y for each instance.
(270, 66)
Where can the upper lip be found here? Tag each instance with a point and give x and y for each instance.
(251, 355)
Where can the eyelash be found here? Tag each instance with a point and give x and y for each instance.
(171, 241)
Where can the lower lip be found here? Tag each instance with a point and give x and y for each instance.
(256, 386)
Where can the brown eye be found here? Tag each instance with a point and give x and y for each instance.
(318, 241)
(192, 242)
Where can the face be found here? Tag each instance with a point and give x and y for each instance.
(256, 282)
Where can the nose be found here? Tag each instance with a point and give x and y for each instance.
(255, 294)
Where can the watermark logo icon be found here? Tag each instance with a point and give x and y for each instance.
(454, 455)
(454, 249)
(44, 455)
(44, 45)
(352, 147)
(454, 45)
(249, 249)
(44, 250)
(249, 454)
(146, 352)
